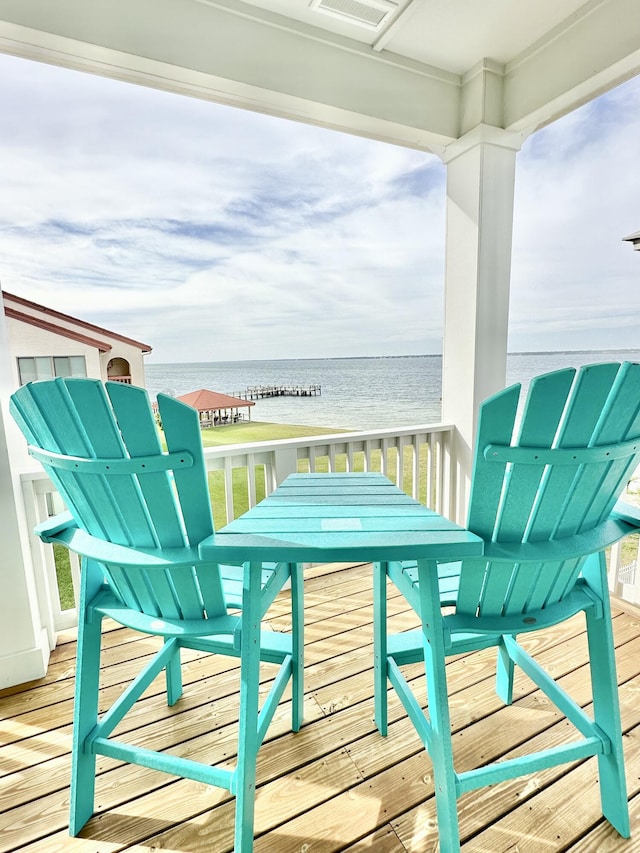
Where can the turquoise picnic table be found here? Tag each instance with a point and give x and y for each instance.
(351, 517)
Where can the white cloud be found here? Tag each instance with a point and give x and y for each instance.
(209, 232)
(212, 233)
(575, 284)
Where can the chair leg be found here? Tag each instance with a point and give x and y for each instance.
(85, 713)
(441, 748)
(173, 674)
(380, 647)
(244, 786)
(505, 672)
(297, 643)
(613, 788)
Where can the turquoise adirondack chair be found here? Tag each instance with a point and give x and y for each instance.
(136, 515)
(543, 499)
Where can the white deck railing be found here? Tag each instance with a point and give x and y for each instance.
(417, 459)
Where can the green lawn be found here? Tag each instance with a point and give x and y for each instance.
(244, 433)
(63, 573)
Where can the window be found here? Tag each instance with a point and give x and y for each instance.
(46, 367)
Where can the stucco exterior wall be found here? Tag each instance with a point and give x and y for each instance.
(51, 333)
(27, 341)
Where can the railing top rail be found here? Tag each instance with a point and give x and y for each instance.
(260, 447)
(327, 438)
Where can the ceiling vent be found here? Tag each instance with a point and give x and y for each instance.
(372, 14)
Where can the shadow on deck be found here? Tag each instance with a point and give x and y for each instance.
(336, 785)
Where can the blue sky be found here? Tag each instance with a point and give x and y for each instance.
(217, 234)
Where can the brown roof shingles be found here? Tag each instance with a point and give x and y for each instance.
(93, 338)
(209, 401)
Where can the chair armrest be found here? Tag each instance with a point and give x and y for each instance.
(49, 529)
(627, 512)
(63, 529)
(616, 527)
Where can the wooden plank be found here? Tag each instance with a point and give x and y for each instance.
(604, 839)
(335, 785)
(570, 808)
(57, 686)
(195, 817)
(490, 738)
(383, 840)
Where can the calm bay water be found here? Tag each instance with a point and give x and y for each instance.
(357, 393)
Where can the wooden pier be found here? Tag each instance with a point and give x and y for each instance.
(259, 392)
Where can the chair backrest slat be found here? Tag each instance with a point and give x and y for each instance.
(522, 590)
(47, 415)
(124, 582)
(97, 416)
(540, 420)
(138, 431)
(157, 509)
(620, 422)
(568, 488)
(521, 500)
(160, 584)
(188, 591)
(495, 427)
(471, 585)
(191, 483)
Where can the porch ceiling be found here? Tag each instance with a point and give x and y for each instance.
(431, 72)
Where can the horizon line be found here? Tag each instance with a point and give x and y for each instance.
(371, 357)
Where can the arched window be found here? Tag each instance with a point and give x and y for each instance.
(119, 370)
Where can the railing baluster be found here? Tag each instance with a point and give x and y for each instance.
(349, 462)
(367, 456)
(415, 466)
(332, 457)
(228, 489)
(431, 472)
(384, 448)
(400, 479)
(251, 478)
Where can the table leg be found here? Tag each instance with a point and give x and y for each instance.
(380, 646)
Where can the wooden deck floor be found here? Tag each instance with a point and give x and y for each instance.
(334, 786)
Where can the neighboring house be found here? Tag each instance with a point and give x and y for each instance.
(45, 343)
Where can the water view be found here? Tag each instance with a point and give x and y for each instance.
(357, 393)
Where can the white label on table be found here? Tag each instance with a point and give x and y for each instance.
(341, 524)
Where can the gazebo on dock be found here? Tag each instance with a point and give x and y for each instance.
(217, 409)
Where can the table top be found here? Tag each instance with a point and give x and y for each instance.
(340, 517)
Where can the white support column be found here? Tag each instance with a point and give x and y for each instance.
(24, 647)
(480, 188)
